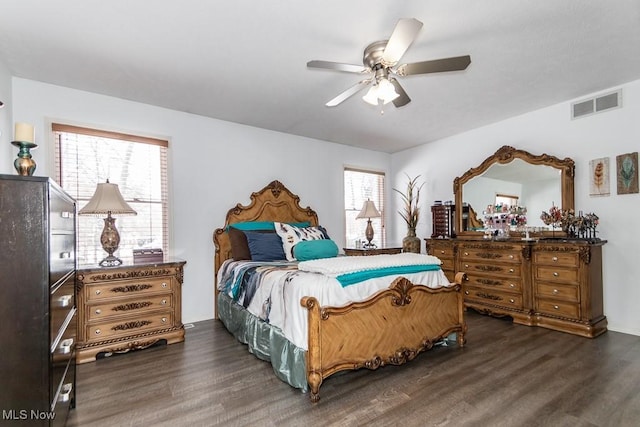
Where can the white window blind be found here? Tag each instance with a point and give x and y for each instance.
(360, 186)
(85, 157)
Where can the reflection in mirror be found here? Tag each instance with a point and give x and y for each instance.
(536, 182)
(535, 187)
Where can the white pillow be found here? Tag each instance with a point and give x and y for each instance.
(291, 235)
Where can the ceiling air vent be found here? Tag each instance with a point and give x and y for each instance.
(596, 105)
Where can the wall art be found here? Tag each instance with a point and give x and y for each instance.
(599, 182)
(627, 173)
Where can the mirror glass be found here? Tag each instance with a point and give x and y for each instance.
(535, 186)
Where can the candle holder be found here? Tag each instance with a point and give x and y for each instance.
(24, 164)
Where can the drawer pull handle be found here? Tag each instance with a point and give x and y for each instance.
(511, 285)
(466, 266)
(98, 292)
(97, 332)
(65, 393)
(466, 292)
(163, 302)
(65, 255)
(442, 252)
(555, 274)
(555, 291)
(510, 256)
(64, 300)
(512, 301)
(164, 284)
(556, 307)
(98, 311)
(164, 320)
(65, 346)
(511, 270)
(65, 214)
(466, 253)
(554, 259)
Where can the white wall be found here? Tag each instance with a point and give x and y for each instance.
(7, 151)
(550, 130)
(213, 165)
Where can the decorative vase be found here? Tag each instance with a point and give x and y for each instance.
(411, 243)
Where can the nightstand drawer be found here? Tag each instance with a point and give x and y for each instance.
(127, 288)
(127, 327)
(124, 307)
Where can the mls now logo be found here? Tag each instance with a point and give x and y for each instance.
(23, 414)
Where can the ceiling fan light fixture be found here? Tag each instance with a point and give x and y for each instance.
(382, 91)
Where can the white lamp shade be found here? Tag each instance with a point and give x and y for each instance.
(368, 210)
(382, 91)
(107, 200)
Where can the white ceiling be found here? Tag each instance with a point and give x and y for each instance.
(245, 61)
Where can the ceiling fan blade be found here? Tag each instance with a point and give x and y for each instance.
(348, 93)
(455, 63)
(403, 99)
(349, 68)
(403, 35)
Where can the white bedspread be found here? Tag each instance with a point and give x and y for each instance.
(342, 265)
(279, 294)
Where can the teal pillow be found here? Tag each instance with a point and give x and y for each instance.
(307, 250)
(262, 225)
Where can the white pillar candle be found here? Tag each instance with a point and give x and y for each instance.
(24, 132)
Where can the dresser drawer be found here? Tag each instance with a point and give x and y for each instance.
(506, 284)
(62, 302)
(447, 264)
(120, 306)
(566, 275)
(126, 327)
(491, 255)
(495, 297)
(61, 215)
(442, 252)
(64, 395)
(127, 288)
(62, 354)
(505, 270)
(554, 258)
(569, 293)
(558, 308)
(61, 256)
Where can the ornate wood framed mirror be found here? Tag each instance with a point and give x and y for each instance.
(536, 181)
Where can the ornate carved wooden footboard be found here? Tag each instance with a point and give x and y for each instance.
(391, 328)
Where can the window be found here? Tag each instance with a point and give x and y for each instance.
(138, 165)
(360, 186)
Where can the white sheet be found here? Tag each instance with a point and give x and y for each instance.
(285, 289)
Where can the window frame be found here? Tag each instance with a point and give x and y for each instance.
(380, 234)
(164, 200)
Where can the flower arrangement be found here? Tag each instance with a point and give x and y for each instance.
(581, 226)
(410, 212)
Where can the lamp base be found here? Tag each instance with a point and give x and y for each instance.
(110, 261)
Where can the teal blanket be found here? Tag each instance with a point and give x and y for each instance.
(359, 276)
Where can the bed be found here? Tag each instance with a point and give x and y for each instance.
(390, 327)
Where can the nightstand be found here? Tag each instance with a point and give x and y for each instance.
(371, 251)
(128, 307)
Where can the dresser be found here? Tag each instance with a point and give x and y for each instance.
(129, 307)
(556, 284)
(37, 301)
(371, 251)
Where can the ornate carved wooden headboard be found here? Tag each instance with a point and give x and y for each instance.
(273, 203)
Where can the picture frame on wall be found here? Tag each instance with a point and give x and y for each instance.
(627, 173)
(599, 181)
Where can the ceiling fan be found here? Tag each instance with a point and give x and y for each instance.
(380, 60)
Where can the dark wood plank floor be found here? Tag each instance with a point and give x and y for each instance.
(507, 375)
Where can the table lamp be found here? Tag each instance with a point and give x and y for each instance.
(369, 211)
(108, 200)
